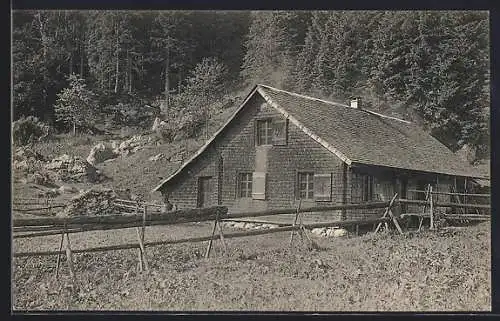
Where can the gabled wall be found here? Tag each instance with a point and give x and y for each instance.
(236, 146)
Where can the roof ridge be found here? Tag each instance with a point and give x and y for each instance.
(334, 103)
(385, 116)
(305, 96)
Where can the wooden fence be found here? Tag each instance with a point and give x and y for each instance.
(141, 218)
(429, 205)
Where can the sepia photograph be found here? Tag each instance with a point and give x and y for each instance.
(265, 161)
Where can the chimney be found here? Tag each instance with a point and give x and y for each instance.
(356, 103)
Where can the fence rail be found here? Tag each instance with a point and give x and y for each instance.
(208, 238)
(63, 226)
(435, 204)
(451, 194)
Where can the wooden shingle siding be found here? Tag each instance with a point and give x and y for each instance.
(280, 163)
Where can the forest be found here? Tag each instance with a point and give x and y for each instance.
(72, 67)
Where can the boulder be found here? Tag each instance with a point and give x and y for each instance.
(249, 226)
(99, 153)
(130, 145)
(339, 232)
(318, 231)
(157, 157)
(40, 178)
(157, 124)
(53, 192)
(70, 168)
(66, 189)
(240, 225)
(25, 159)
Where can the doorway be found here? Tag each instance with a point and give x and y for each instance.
(205, 189)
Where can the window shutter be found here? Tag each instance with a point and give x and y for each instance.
(259, 186)
(323, 187)
(280, 131)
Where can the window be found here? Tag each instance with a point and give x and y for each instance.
(323, 187)
(264, 132)
(305, 185)
(421, 186)
(245, 184)
(271, 131)
(280, 131)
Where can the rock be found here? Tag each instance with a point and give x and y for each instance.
(318, 231)
(157, 124)
(67, 168)
(249, 226)
(25, 159)
(114, 145)
(339, 232)
(124, 145)
(157, 157)
(64, 189)
(100, 153)
(240, 225)
(136, 149)
(39, 178)
(21, 165)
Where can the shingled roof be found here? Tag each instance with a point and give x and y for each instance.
(358, 136)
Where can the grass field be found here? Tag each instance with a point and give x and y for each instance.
(429, 271)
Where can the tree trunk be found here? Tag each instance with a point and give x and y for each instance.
(117, 59)
(70, 63)
(81, 59)
(130, 75)
(74, 128)
(127, 71)
(167, 82)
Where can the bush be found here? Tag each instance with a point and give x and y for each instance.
(28, 130)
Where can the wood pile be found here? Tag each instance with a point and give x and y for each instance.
(92, 202)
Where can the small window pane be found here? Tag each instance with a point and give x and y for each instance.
(245, 184)
(306, 186)
(264, 132)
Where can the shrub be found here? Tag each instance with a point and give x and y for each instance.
(28, 130)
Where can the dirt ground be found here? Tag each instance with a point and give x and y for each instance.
(431, 271)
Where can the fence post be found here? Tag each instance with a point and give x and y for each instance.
(295, 222)
(139, 250)
(59, 255)
(221, 234)
(209, 246)
(431, 208)
(69, 257)
(387, 210)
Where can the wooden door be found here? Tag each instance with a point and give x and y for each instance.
(205, 190)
